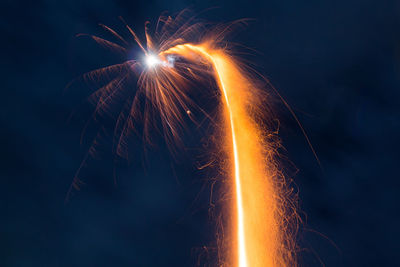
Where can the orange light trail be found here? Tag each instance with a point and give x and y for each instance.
(259, 236)
(218, 64)
(239, 203)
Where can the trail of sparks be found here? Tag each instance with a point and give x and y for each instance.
(239, 203)
(257, 243)
(264, 213)
(242, 257)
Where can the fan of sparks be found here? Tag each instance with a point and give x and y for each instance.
(155, 91)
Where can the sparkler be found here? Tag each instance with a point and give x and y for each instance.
(180, 52)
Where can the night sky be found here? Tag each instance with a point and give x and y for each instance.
(337, 63)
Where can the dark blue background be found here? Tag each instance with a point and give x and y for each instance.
(336, 63)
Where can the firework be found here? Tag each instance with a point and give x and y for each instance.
(178, 54)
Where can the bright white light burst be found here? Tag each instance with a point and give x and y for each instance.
(152, 60)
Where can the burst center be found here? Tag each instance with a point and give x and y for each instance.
(152, 60)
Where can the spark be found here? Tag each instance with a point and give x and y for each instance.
(263, 209)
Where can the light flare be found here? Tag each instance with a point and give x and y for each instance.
(152, 60)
